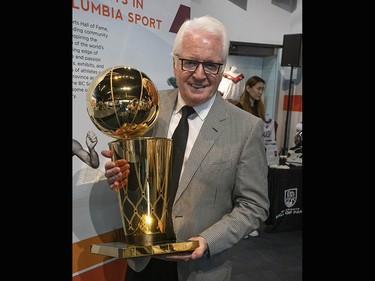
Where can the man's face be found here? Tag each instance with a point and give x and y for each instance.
(196, 87)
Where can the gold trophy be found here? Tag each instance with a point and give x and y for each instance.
(123, 103)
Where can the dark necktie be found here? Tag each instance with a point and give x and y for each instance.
(180, 136)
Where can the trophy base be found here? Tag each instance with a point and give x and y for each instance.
(146, 239)
(122, 250)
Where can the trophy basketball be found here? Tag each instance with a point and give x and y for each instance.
(123, 103)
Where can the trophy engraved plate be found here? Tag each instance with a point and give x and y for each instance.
(123, 103)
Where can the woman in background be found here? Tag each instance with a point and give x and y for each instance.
(251, 98)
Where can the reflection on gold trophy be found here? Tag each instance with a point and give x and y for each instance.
(123, 103)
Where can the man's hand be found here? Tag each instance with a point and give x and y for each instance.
(116, 172)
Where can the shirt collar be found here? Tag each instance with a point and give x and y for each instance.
(202, 109)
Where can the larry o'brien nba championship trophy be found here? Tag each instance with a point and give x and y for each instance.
(123, 103)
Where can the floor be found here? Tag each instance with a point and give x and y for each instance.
(275, 256)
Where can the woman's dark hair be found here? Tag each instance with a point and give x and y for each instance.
(258, 108)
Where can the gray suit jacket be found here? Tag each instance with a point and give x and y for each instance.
(222, 194)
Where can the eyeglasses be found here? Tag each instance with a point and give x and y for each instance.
(208, 67)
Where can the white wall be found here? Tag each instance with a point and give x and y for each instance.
(262, 22)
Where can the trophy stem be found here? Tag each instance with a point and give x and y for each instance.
(143, 201)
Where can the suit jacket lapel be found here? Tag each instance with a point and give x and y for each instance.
(208, 135)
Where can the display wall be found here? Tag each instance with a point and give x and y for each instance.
(138, 34)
